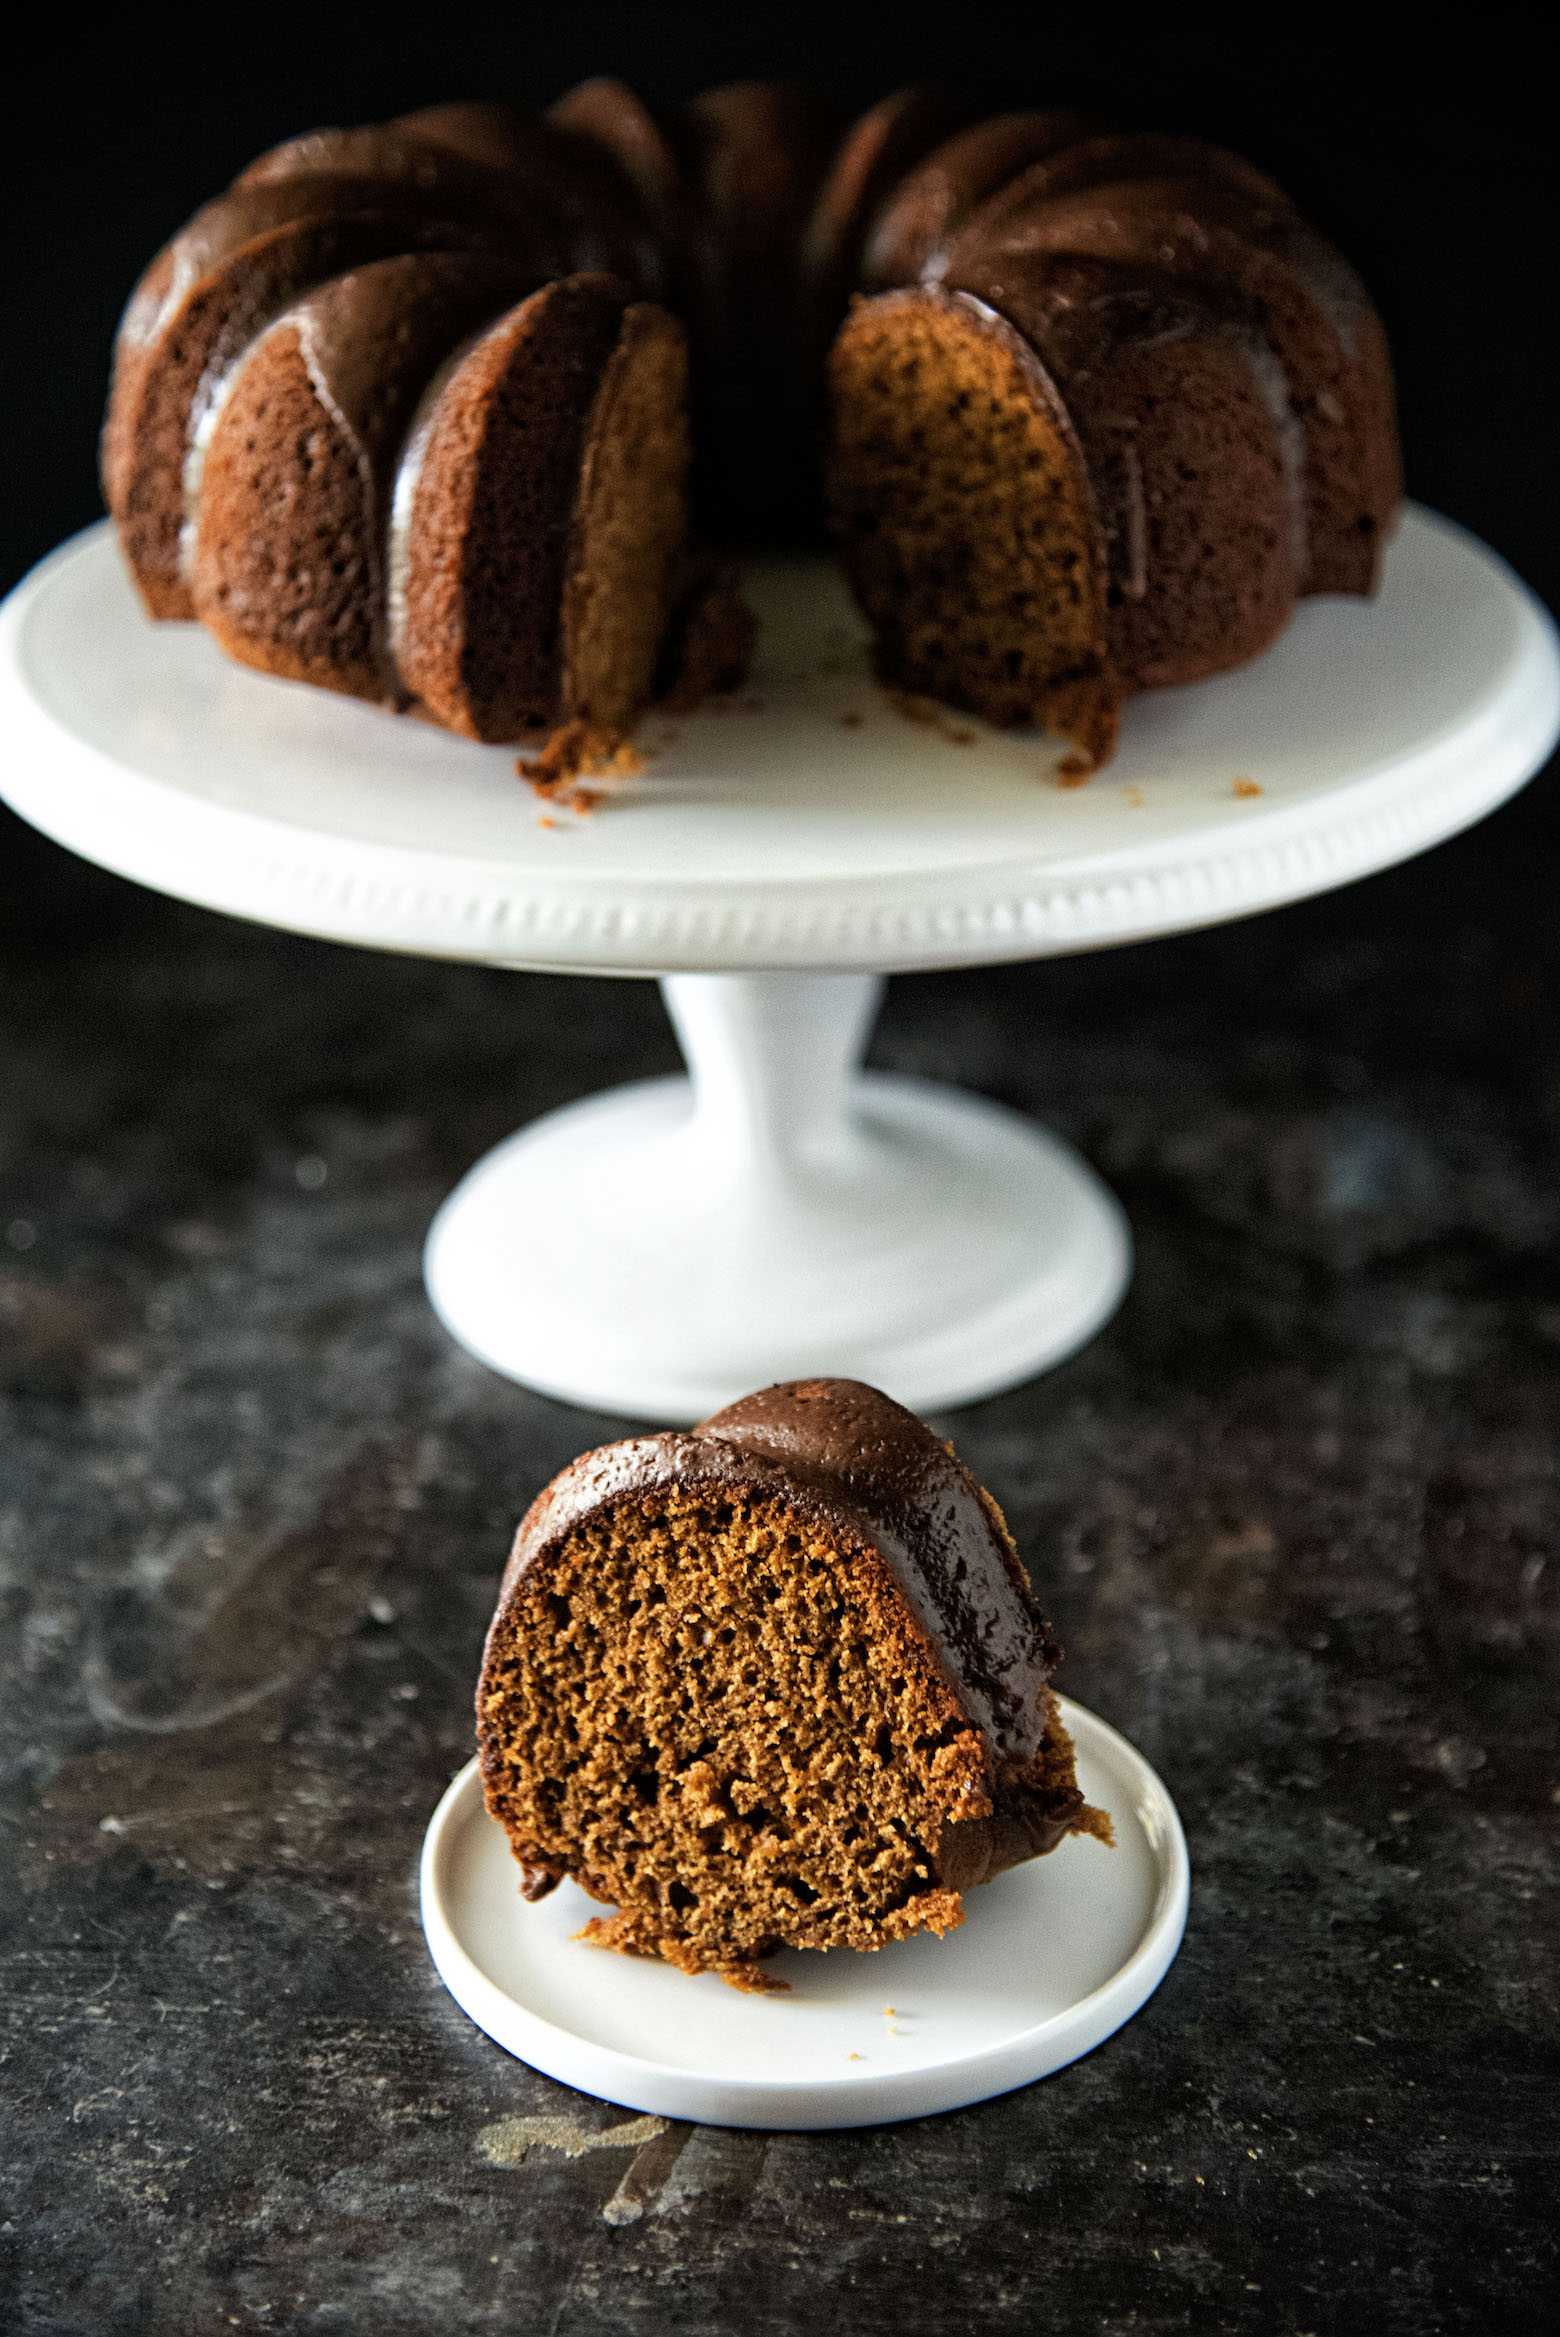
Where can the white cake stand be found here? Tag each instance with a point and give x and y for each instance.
(662, 1248)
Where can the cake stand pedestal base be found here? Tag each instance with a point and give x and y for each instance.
(658, 1251)
(663, 1248)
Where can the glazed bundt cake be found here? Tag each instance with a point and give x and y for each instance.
(778, 1682)
(446, 413)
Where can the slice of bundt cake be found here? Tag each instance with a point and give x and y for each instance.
(538, 516)
(288, 488)
(1009, 489)
(411, 489)
(223, 280)
(778, 1682)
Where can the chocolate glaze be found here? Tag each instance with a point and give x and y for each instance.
(369, 340)
(910, 237)
(943, 1538)
(1077, 165)
(606, 223)
(1306, 302)
(1120, 344)
(211, 292)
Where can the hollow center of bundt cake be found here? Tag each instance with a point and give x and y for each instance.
(628, 522)
(720, 1724)
(963, 508)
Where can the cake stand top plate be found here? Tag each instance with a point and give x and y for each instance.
(809, 823)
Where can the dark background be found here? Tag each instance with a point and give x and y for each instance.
(1295, 1513)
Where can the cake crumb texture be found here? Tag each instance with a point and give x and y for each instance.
(628, 522)
(963, 508)
(730, 1731)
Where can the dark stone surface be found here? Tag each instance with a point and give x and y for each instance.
(1296, 1517)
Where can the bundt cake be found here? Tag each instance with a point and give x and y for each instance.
(778, 1682)
(421, 412)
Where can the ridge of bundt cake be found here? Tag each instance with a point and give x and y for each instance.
(287, 508)
(780, 1681)
(1090, 409)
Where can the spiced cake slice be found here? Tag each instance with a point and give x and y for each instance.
(227, 276)
(539, 516)
(288, 503)
(778, 1682)
(1011, 463)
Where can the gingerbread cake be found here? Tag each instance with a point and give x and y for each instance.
(780, 1681)
(444, 412)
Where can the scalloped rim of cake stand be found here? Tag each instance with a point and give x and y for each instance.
(824, 831)
(971, 2018)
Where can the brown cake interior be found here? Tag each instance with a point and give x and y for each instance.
(288, 562)
(723, 1721)
(629, 522)
(549, 511)
(960, 495)
(301, 604)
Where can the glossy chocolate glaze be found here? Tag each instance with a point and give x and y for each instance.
(369, 342)
(1307, 303)
(947, 1546)
(1078, 164)
(606, 223)
(238, 224)
(519, 170)
(209, 295)
(910, 237)
(1117, 341)
(944, 1538)
(372, 338)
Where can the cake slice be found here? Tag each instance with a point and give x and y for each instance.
(778, 1682)
(1310, 307)
(539, 514)
(288, 490)
(201, 305)
(1008, 474)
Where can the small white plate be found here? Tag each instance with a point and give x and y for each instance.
(1050, 1960)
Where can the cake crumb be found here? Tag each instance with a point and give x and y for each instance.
(578, 750)
(1247, 787)
(1134, 796)
(1075, 770)
(928, 714)
(710, 641)
(850, 721)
